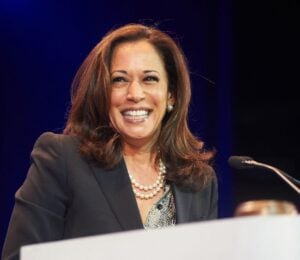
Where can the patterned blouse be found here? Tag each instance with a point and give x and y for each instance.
(163, 212)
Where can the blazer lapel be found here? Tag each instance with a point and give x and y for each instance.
(183, 202)
(116, 187)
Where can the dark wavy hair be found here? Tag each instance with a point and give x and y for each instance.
(187, 162)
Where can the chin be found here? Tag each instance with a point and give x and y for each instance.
(139, 137)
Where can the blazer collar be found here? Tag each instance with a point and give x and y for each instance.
(116, 187)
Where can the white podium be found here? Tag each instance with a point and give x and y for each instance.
(243, 238)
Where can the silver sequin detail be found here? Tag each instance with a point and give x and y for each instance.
(163, 212)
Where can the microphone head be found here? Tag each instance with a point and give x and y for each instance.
(240, 162)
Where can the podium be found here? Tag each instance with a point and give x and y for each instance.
(241, 238)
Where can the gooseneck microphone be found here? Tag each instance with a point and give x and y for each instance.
(245, 162)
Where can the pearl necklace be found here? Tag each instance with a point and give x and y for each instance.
(152, 189)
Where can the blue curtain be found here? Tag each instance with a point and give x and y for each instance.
(44, 42)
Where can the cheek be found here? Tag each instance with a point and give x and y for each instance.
(115, 99)
(160, 99)
(113, 118)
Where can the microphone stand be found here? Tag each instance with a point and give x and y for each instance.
(277, 171)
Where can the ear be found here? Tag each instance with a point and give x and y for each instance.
(171, 99)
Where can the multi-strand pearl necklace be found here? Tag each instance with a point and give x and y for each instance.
(149, 191)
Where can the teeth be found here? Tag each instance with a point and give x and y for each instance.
(136, 113)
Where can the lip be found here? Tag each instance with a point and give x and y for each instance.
(134, 108)
(137, 110)
(136, 115)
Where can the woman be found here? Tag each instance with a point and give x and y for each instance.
(126, 159)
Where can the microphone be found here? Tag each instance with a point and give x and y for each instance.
(240, 162)
(245, 162)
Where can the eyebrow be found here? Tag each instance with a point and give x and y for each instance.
(122, 71)
(147, 71)
(125, 72)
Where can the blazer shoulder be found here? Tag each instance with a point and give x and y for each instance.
(49, 140)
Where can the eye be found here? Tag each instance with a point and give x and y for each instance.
(151, 79)
(118, 79)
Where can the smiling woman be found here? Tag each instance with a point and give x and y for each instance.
(139, 94)
(127, 159)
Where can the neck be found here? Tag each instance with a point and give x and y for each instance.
(138, 156)
(140, 147)
(145, 153)
(140, 159)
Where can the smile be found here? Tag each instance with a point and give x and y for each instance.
(136, 115)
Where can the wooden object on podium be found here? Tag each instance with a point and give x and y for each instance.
(241, 238)
(266, 207)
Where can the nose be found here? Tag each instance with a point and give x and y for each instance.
(135, 92)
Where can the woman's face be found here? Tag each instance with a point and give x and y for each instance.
(139, 92)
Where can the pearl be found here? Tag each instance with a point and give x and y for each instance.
(153, 189)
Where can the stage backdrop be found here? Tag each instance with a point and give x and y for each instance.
(242, 102)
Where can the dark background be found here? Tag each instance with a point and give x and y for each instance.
(243, 58)
(266, 103)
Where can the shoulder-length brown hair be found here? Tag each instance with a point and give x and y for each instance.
(184, 155)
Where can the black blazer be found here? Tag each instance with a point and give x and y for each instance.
(65, 197)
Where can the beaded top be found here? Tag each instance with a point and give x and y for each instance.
(163, 212)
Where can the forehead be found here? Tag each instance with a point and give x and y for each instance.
(134, 54)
